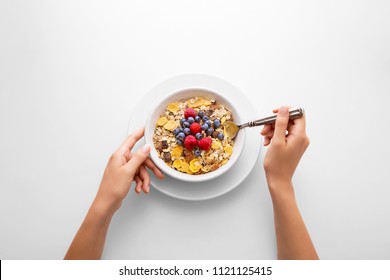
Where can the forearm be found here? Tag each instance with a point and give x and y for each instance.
(89, 240)
(293, 239)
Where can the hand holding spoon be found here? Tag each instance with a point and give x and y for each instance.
(232, 128)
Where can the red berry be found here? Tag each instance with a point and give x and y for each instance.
(195, 128)
(205, 143)
(190, 142)
(189, 112)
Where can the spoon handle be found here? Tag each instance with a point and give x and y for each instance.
(295, 113)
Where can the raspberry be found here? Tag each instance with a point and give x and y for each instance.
(189, 112)
(195, 128)
(205, 143)
(190, 142)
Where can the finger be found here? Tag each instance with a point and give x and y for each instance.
(145, 178)
(152, 166)
(130, 141)
(299, 126)
(137, 159)
(276, 110)
(290, 124)
(266, 129)
(281, 125)
(266, 141)
(138, 185)
(270, 134)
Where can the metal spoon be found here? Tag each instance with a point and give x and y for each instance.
(232, 128)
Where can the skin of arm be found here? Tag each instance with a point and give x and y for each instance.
(283, 155)
(122, 169)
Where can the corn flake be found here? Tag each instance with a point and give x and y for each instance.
(161, 121)
(171, 125)
(173, 107)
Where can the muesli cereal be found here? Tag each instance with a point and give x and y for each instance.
(190, 136)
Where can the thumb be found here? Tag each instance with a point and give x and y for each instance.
(281, 124)
(138, 159)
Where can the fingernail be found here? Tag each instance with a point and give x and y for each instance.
(146, 149)
(283, 111)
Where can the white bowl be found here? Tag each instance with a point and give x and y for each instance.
(206, 93)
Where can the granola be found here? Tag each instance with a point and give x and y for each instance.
(190, 136)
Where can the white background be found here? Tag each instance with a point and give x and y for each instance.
(70, 72)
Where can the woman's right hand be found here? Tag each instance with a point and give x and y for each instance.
(287, 142)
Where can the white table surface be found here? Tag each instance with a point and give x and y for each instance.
(70, 72)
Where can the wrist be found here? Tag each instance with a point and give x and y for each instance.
(97, 217)
(107, 200)
(280, 187)
(103, 208)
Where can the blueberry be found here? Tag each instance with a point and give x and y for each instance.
(179, 142)
(201, 114)
(197, 153)
(221, 136)
(204, 126)
(205, 118)
(176, 131)
(187, 131)
(197, 119)
(186, 124)
(217, 123)
(208, 123)
(210, 131)
(181, 136)
(182, 121)
(198, 136)
(190, 120)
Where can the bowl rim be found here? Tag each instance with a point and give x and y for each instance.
(180, 175)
